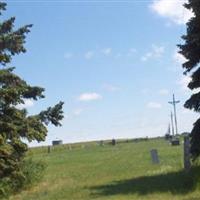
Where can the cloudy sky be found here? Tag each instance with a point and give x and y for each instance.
(114, 64)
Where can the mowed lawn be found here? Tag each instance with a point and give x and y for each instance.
(121, 172)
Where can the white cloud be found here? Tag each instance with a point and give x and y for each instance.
(88, 55)
(111, 88)
(107, 51)
(89, 96)
(183, 83)
(163, 92)
(66, 116)
(131, 52)
(156, 52)
(119, 55)
(78, 111)
(178, 58)
(145, 91)
(172, 10)
(27, 103)
(68, 55)
(154, 105)
(146, 56)
(186, 111)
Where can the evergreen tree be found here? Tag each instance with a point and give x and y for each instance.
(191, 51)
(15, 124)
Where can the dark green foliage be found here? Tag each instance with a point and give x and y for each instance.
(31, 173)
(16, 124)
(191, 51)
(53, 115)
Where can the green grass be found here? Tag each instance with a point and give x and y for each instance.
(121, 172)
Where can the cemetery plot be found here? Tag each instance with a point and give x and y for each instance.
(121, 172)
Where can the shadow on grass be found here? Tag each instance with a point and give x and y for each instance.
(174, 182)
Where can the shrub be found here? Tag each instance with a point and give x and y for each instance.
(31, 173)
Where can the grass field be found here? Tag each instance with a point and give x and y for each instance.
(121, 172)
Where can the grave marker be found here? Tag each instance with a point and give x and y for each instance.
(154, 156)
(187, 164)
(101, 143)
(49, 149)
(113, 142)
(57, 142)
(175, 141)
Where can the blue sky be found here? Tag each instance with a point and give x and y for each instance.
(114, 64)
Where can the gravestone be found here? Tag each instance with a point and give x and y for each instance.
(168, 137)
(49, 149)
(154, 156)
(113, 142)
(57, 142)
(101, 143)
(175, 142)
(187, 164)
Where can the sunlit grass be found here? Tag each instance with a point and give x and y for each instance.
(120, 172)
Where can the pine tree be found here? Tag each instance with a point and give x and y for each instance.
(191, 51)
(15, 124)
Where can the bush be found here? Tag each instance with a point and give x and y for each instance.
(31, 172)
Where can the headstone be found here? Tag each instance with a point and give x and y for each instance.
(135, 140)
(101, 143)
(168, 137)
(175, 142)
(49, 149)
(187, 164)
(57, 142)
(113, 142)
(154, 156)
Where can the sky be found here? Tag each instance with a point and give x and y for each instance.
(115, 64)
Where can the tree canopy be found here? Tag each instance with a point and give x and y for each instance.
(16, 124)
(191, 51)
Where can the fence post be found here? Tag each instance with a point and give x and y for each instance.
(187, 164)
